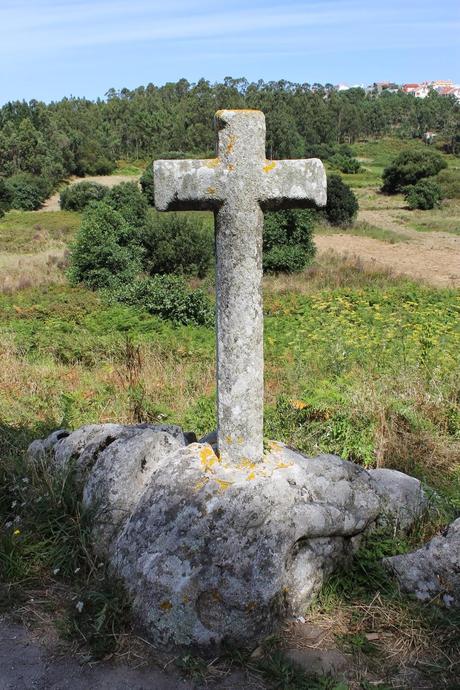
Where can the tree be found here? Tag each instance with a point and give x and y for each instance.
(342, 204)
(410, 167)
(147, 184)
(6, 198)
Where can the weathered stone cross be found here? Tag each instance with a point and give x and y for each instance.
(238, 185)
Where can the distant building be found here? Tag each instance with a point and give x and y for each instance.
(411, 88)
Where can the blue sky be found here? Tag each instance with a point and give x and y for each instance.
(55, 48)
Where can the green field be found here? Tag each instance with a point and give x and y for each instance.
(357, 363)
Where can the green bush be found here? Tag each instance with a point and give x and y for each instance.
(449, 181)
(345, 164)
(27, 192)
(342, 204)
(287, 242)
(6, 197)
(410, 167)
(77, 196)
(104, 252)
(169, 297)
(424, 195)
(127, 199)
(147, 184)
(176, 243)
(286, 259)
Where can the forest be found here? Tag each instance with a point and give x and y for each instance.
(76, 136)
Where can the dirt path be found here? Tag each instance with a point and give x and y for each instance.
(52, 204)
(25, 664)
(383, 219)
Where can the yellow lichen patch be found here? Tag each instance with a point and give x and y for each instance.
(251, 476)
(208, 458)
(200, 484)
(283, 465)
(231, 167)
(211, 190)
(240, 440)
(186, 599)
(166, 606)
(250, 606)
(230, 144)
(212, 162)
(270, 166)
(275, 445)
(298, 404)
(246, 464)
(223, 484)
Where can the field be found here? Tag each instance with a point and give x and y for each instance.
(362, 359)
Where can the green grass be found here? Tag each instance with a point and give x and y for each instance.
(134, 168)
(30, 231)
(362, 229)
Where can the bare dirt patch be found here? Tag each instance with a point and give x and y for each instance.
(437, 265)
(52, 204)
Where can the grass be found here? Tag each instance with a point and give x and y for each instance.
(134, 168)
(30, 232)
(363, 229)
(358, 363)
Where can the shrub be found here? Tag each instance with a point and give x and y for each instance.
(6, 198)
(342, 204)
(410, 167)
(287, 243)
(176, 243)
(77, 196)
(424, 195)
(449, 181)
(127, 199)
(104, 253)
(147, 184)
(285, 259)
(27, 192)
(169, 297)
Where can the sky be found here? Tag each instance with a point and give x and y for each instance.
(55, 48)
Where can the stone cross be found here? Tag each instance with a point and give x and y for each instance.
(238, 186)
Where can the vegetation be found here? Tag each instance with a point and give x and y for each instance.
(288, 241)
(77, 196)
(410, 167)
(76, 136)
(424, 195)
(26, 191)
(342, 204)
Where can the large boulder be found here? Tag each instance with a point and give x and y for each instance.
(402, 499)
(213, 552)
(432, 571)
(219, 553)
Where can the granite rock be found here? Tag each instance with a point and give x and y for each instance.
(216, 552)
(432, 571)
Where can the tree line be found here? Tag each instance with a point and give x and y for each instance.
(76, 136)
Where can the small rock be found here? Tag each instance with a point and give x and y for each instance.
(319, 662)
(432, 571)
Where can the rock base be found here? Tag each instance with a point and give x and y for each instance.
(212, 552)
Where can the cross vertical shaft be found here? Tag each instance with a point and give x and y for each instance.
(237, 186)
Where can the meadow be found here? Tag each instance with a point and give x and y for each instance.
(358, 362)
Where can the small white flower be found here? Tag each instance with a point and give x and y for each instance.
(8, 524)
(25, 480)
(79, 606)
(56, 570)
(17, 518)
(14, 504)
(23, 504)
(77, 570)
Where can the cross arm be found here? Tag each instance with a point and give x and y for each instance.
(299, 183)
(186, 185)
